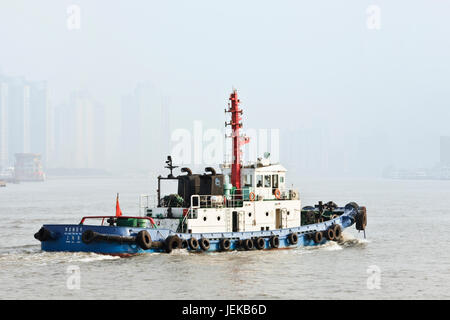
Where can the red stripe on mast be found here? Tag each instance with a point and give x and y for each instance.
(238, 140)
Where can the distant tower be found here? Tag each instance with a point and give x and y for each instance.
(445, 150)
(238, 140)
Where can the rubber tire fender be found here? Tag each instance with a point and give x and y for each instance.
(43, 235)
(144, 240)
(317, 237)
(193, 243)
(248, 244)
(184, 244)
(225, 244)
(204, 244)
(329, 233)
(293, 238)
(337, 232)
(172, 242)
(361, 219)
(274, 242)
(88, 236)
(260, 243)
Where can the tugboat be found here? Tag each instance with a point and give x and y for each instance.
(245, 207)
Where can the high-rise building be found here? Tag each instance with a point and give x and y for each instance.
(79, 133)
(23, 118)
(145, 122)
(39, 119)
(445, 150)
(3, 124)
(18, 117)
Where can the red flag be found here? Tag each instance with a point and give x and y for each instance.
(118, 211)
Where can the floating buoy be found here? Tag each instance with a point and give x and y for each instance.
(225, 244)
(193, 243)
(293, 238)
(144, 240)
(252, 196)
(274, 241)
(204, 244)
(260, 243)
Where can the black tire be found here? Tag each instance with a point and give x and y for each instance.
(274, 242)
(317, 237)
(361, 219)
(88, 236)
(193, 243)
(329, 234)
(184, 244)
(337, 232)
(293, 238)
(204, 244)
(260, 243)
(172, 242)
(43, 235)
(144, 240)
(353, 205)
(248, 244)
(225, 244)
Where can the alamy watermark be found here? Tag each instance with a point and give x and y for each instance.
(73, 281)
(73, 21)
(373, 21)
(213, 146)
(374, 278)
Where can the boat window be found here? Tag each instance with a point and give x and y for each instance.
(275, 181)
(248, 180)
(281, 179)
(267, 181)
(259, 180)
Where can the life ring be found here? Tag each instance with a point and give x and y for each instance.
(248, 244)
(172, 242)
(318, 236)
(193, 243)
(252, 196)
(144, 240)
(274, 241)
(260, 243)
(204, 244)
(337, 232)
(225, 244)
(277, 194)
(329, 234)
(293, 238)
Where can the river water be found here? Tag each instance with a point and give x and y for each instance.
(405, 256)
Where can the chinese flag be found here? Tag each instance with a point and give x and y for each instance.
(118, 211)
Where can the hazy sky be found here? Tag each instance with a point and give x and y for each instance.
(297, 64)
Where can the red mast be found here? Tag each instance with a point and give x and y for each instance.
(238, 140)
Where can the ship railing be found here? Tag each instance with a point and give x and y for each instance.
(147, 201)
(236, 197)
(110, 219)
